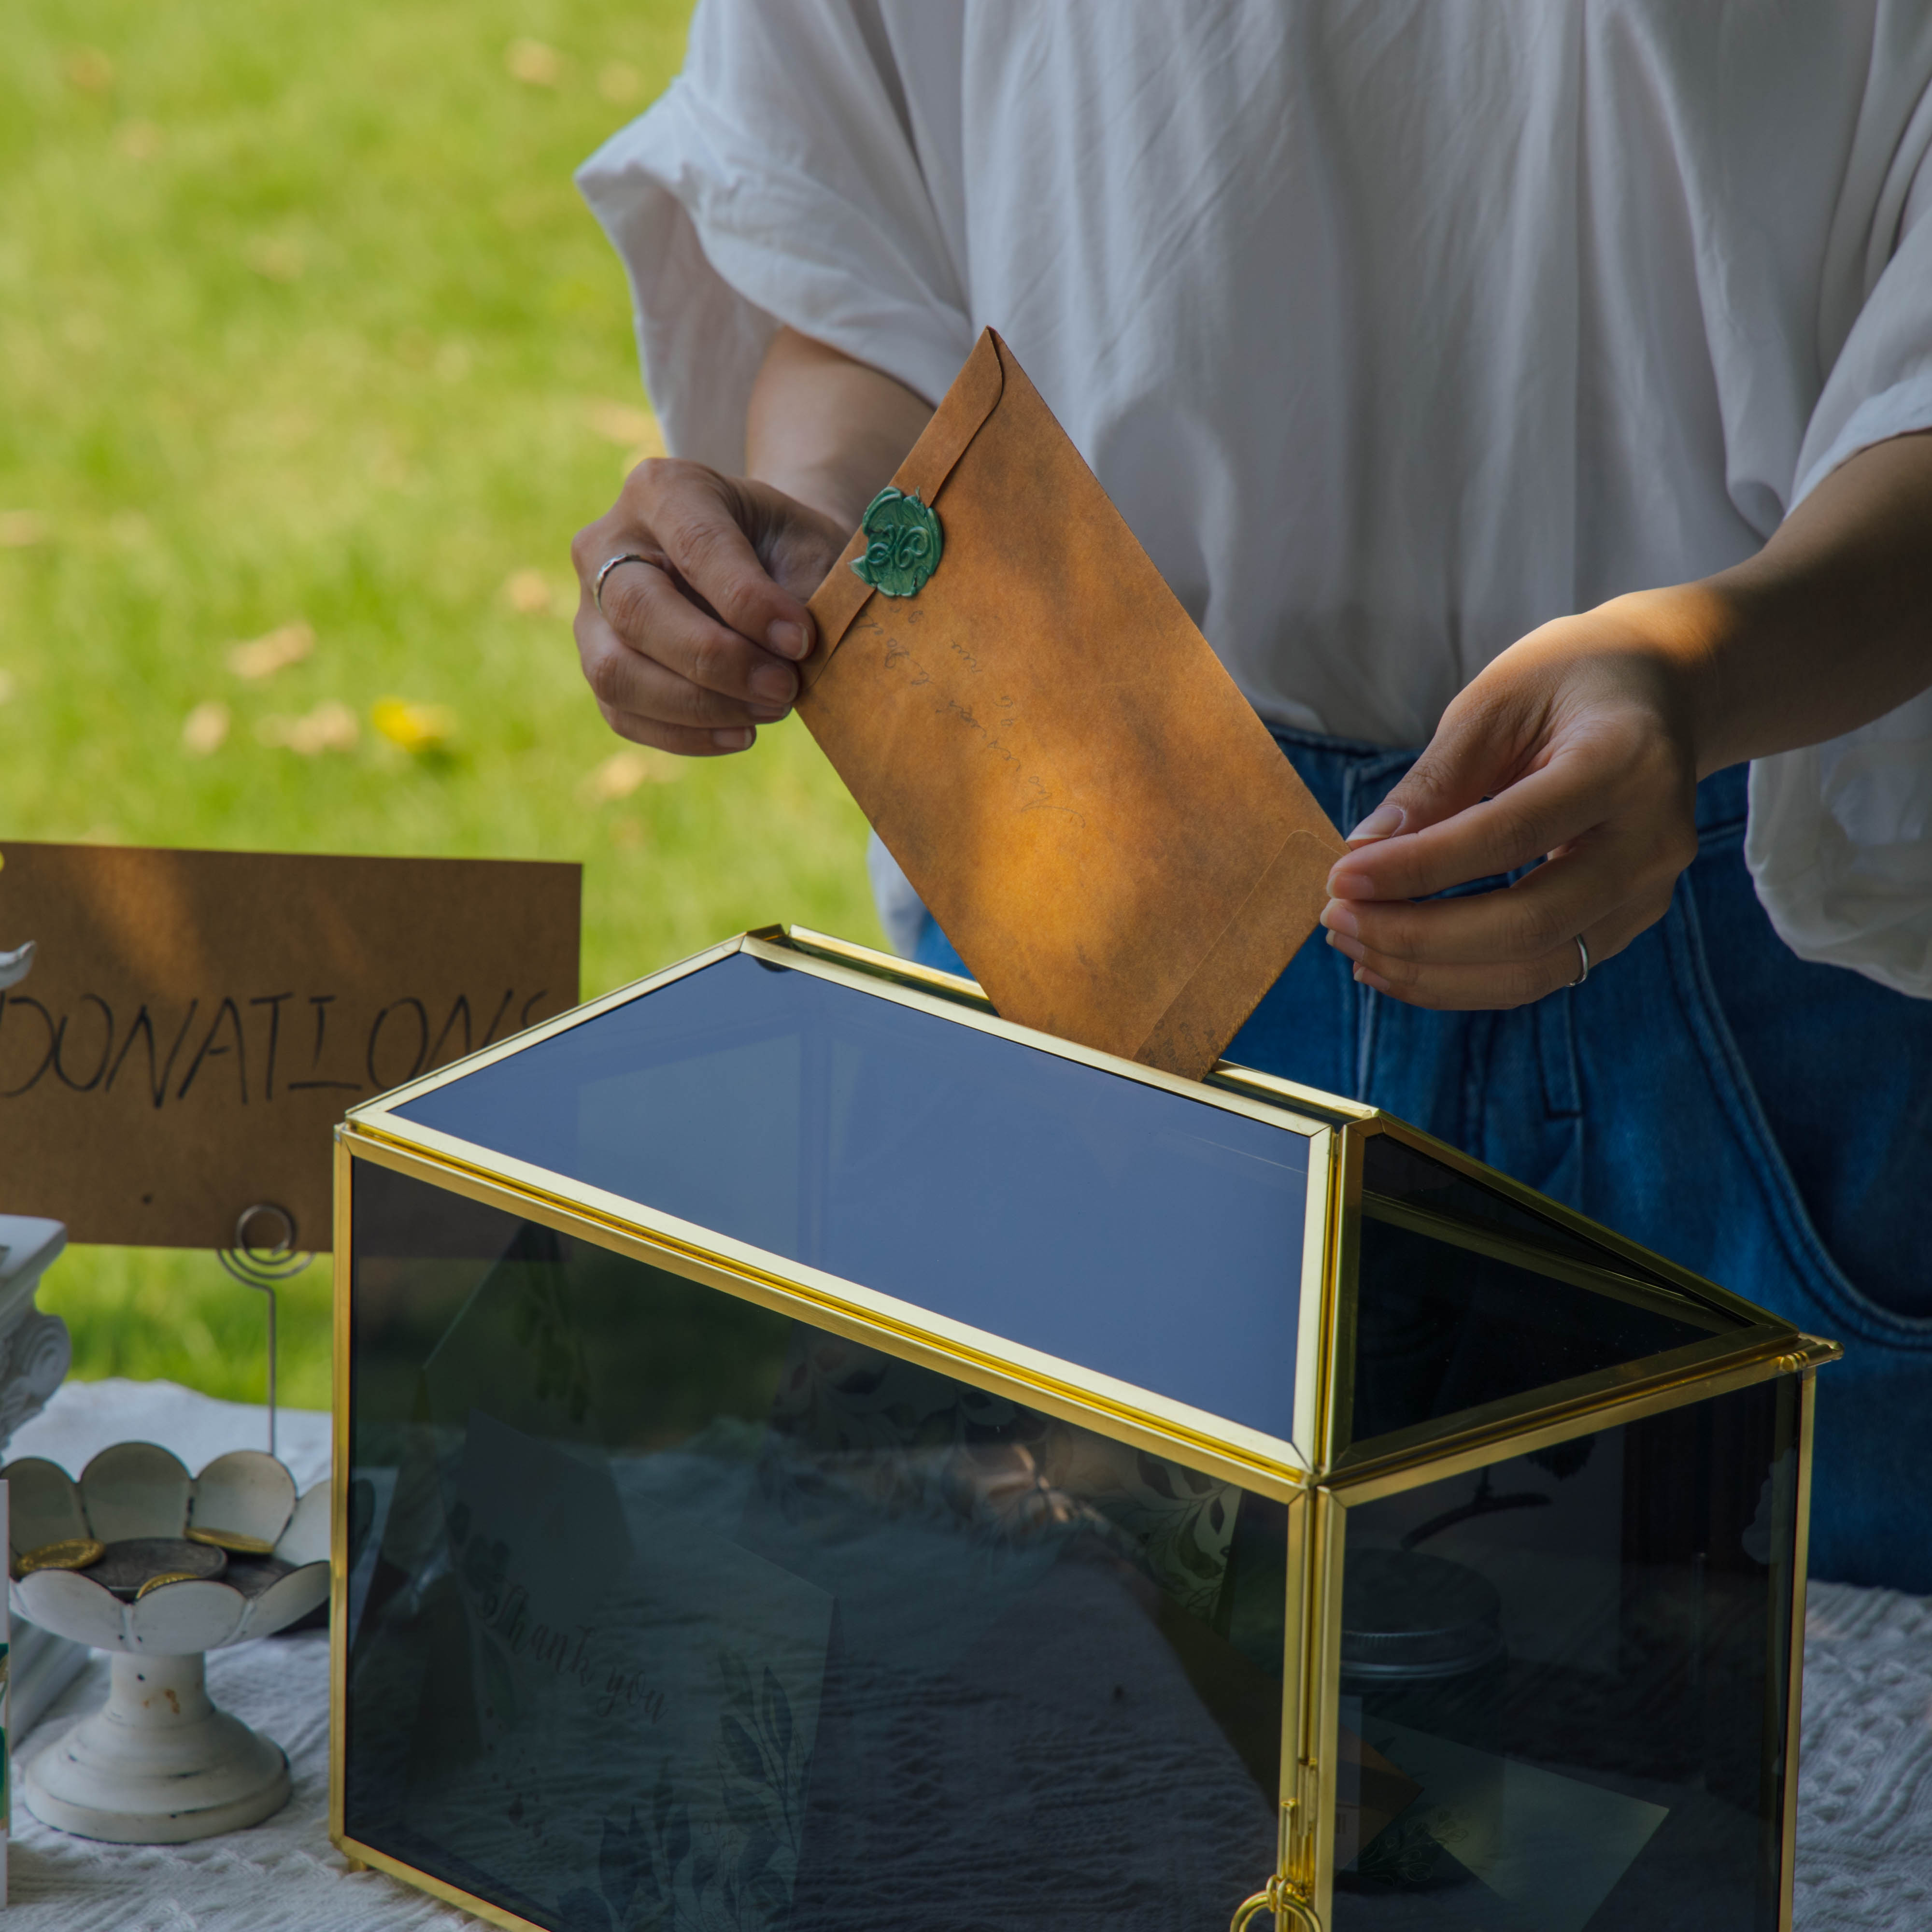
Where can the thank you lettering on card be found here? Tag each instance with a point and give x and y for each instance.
(179, 1031)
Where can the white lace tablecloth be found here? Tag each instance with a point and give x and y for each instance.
(1865, 1848)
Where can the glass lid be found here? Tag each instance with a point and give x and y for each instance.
(1113, 1224)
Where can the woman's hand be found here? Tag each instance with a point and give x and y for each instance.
(696, 646)
(1577, 744)
(1583, 743)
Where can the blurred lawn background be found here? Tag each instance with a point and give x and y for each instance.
(303, 324)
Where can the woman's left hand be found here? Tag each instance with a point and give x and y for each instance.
(1575, 746)
(1583, 743)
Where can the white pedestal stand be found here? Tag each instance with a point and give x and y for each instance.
(35, 1356)
(157, 1764)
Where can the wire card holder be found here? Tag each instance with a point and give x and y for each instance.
(265, 1268)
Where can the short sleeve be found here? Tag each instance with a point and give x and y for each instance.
(1840, 842)
(781, 181)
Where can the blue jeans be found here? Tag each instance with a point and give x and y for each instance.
(1764, 1121)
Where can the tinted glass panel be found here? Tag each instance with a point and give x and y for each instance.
(1149, 1236)
(1565, 1681)
(1441, 1328)
(1400, 1173)
(666, 1612)
(1464, 1298)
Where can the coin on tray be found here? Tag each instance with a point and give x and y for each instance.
(167, 1576)
(232, 1540)
(77, 1553)
(136, 1560)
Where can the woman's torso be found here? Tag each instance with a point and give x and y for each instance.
(1396, 330)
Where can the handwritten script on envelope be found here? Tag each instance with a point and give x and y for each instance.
(193, 1024)
(1053, 754)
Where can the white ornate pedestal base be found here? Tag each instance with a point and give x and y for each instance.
(157, 1764)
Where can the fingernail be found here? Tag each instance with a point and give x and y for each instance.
(1380, 823)
(789, 640)
(1337, 918)
(734, 739)
(774, 684)
(1348, 885)
(1350, 949)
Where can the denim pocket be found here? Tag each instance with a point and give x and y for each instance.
(1843, 1309)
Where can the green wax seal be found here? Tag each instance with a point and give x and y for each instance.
(903, 542)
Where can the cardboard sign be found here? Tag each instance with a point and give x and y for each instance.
(189, 1026)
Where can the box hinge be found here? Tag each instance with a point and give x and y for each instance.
(1287, 1897)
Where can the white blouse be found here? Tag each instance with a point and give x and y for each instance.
(1394, 327)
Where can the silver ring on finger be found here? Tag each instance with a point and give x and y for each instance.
(1582, 962)
(604, 570)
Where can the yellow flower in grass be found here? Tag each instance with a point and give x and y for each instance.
(420, 729)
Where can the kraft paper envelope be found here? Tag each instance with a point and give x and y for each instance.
(189, 1026)
(1047, 746)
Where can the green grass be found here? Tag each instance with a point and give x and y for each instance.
(301, 319)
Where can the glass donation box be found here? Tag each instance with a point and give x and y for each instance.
(813, 1456)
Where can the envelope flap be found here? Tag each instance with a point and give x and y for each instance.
(957, 421)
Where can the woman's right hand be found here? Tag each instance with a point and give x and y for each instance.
(697, 644)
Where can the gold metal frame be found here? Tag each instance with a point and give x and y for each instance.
(1794, 1677)
(1312, 1871)
(1626, 1393)
(1317, 1471)
(340, 1447)
(1338, 1313)
(1313, 1368)
(1684, 1384)
(1750, 1347)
